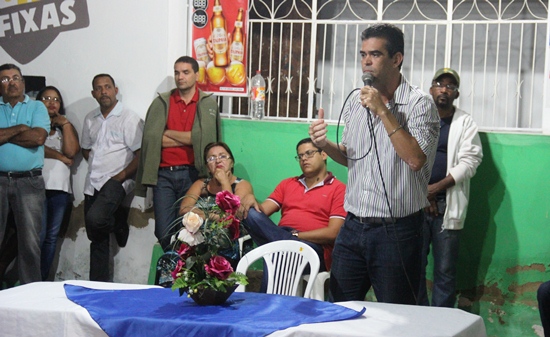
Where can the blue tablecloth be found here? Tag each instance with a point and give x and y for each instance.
(162, 312)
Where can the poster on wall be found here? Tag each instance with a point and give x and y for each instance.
(218, 43)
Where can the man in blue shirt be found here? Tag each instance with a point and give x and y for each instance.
(24, 126)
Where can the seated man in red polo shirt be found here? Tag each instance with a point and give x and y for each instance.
(312, 206)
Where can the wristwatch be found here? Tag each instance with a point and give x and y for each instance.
(295, 232)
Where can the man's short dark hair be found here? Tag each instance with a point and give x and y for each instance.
(103, 75)
(395, 40)
(8, 66)
(306, 141)
(188, 59)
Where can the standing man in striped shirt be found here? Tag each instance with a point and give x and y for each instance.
(388, 145)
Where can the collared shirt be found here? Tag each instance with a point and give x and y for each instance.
(367, 184)
(112, 142)
(306, 209)
(180, 118)
(317, 204)
(15, 158)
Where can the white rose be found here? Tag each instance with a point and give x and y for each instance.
(191, 239)
(192, 221)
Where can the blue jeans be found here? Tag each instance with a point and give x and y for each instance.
(385, 256)
(103, 214)
(543, 298)
(445, 245)
(54, 211)
(262, 230)
(171, 186)
(25, 197)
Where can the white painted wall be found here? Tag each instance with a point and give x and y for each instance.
(137, 42)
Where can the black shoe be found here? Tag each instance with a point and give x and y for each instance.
(121, 234)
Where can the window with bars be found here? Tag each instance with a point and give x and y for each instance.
(308, 52)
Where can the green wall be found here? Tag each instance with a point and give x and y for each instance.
(504, 246)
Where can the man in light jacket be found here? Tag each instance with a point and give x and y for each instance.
(459, 153)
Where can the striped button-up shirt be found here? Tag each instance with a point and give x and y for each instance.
(367, 184)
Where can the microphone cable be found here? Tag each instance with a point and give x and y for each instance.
(338, 128)
(373, 141)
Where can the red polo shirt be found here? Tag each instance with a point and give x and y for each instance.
(308, 209)
(180, 118)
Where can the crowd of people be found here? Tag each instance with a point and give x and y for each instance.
(410, 157)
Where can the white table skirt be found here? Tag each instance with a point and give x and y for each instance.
(395, 320)
(42, 309)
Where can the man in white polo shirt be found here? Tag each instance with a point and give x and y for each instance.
(111, 142)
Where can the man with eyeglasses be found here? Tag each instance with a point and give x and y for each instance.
(24, 126)
(311, 205)
(458, 155)
(111, 143)
(179, 125)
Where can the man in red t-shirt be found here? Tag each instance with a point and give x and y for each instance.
(179, 125)
(311, 205)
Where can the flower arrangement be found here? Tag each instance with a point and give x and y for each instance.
(198, 242)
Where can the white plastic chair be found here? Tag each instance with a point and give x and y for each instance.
(241, 241)
(285, 262)
(318, 290)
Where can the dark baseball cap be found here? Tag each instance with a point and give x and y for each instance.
(447, 71)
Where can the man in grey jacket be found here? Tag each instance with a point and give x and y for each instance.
(458, 155)
(178, 126)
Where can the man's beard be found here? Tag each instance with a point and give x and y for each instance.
(444, 105)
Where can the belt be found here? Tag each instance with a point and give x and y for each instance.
(25, 174)
(175, 168)
(379, 221)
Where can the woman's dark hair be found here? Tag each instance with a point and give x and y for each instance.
(50, 87)
(222, 144)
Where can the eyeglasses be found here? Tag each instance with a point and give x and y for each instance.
(221, 157)
(307, 154)
(452, 87)
(16, 79)
(50, 98)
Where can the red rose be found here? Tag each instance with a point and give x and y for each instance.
(228, 202)
(177, 270)
(232, 224)
(185, 250)
(219, 267)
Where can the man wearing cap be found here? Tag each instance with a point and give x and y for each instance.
(458, 155)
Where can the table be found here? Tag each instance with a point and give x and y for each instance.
(395, 320)
(42, 309)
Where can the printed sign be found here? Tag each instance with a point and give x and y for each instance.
(219, 45)
(27, 28)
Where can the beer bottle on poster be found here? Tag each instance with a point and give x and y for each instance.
(200, 50)
(219, 36)
(236, 51)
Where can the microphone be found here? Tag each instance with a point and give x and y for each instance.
(367, 78)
